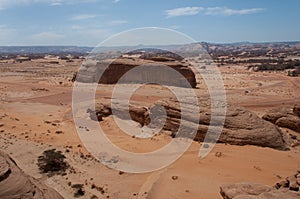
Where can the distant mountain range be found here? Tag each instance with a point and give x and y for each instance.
(241, 46)
(44, 49)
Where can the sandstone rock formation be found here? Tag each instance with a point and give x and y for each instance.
(231, 191)
(285, 117)
(255, 191)
(110, 72)
(241, 127)
(287, 189)
(296, 110)
(15, 184)
(290, 183)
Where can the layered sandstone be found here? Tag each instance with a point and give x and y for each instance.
(153, 71)
(14, 183)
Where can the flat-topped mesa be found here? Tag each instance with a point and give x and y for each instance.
(160, 70)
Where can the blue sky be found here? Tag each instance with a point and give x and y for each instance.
(88, 22)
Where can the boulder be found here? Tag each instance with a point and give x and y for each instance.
(291, 122)
(139, 114)
(278, 194)
(293, 185)
(255, 191)
(282, 184)
(15, 184)
(296, 110)
(230, 191)
(285, 117)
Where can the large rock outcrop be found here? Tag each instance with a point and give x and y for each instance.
(285, 117)
(287, 189)
(255, 191)
(241, 126)
(15, 184)
(112, 70)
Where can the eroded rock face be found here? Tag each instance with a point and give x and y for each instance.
(290, 183)
(296, 110)
(110, 72)
(287, 189)
(285, 117)
(255, 191)
(233, 191)
(241, 127)
(15, 184)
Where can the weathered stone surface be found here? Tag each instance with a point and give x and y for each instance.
(296, 110)
(15, 184)
(110, 72)
(231, 191)
(290, 183)
(298, 180)
(285, 117)
(293, 183)
(139, 114)
(290, 121)
(4, 169)
(241, 127)
(255, 191)
(282, 184)
(279, 194)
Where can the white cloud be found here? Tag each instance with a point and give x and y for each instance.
(56, 4)
(187, 11)
(116, 22)
(228, 11)
(184, 11)
(83, 17)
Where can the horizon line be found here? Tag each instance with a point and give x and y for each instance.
(209, 42)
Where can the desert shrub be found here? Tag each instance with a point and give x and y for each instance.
(52, 162)
(79, 190)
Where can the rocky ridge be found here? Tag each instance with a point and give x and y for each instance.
(15, 184)
(241, 126)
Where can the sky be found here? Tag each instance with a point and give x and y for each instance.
(89, 22)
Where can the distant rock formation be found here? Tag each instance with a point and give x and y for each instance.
(285, 117)
(113, 70)
(287, 189)
(293, 72)
(15, 184)
(241, 127)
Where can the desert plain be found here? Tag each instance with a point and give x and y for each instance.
(36, 115)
